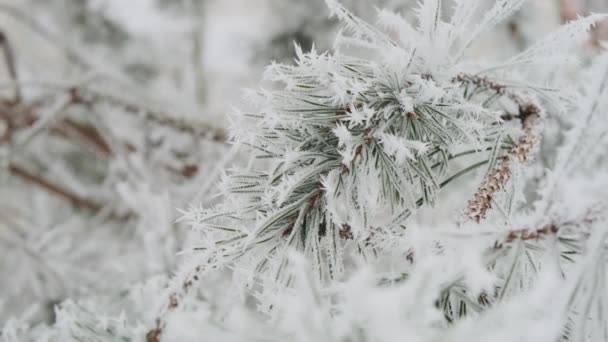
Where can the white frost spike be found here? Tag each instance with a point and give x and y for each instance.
(407, 103)
(559, 41)
(394, 22)
(575, 135)
(501, 10)
(299, 53)
(290, 158)
(360, 116)
(463, 12)
(344, 136)
(336, 207)
(402, 148)
(282, 189)
(360, 28)
(425, 90)
(429, 16)
(461, 20)
(347, 143)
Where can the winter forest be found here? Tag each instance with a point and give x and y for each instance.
(303, 170)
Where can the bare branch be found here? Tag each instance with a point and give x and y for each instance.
(21, 16)
(93, 95)
(59, 191)
(9, 60)
(55, 189)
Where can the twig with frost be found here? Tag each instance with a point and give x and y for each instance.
(530, 114)
(73, 54)
(131, 105)
(9, 61)
(161, 117)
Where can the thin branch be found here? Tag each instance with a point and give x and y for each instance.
(9, 60)
(57, 190)
(526, 235)
(161, 117)
(530, 115)
(76, 56)
(157, 116)
(45, 120)
(21, 16)
(16, 116)
(72, 54)
(498, 178)
(88, 134)
(53, 188)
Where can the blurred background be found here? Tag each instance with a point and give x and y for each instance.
(114, 114)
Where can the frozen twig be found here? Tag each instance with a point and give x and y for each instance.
(72, 54)
(53, 188)
(526, 235)
(94, 95)
(78, 57)
(9, 60)
(530, 114)
(60, 191)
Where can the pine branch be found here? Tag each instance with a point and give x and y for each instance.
(354, 146)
